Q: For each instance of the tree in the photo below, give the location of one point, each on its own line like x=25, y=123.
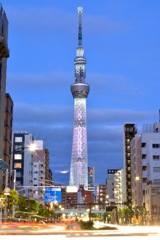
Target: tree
x=126, y=214
x=140, y=214
x=28, y=205
x=106, y=217
x=43, y=211
x=9, y=200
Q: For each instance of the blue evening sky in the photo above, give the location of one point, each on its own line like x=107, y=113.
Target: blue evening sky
x=121, y=40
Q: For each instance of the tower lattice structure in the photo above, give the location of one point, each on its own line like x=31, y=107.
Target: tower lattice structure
x=80, y=90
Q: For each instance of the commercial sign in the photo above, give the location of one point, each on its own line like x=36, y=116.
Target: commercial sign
x=71, y=189
x=52, y=195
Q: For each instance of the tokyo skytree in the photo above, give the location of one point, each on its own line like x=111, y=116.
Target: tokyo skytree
x=80, y=90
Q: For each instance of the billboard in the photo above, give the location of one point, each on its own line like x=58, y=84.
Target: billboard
x=52, y=195
x=71, y=189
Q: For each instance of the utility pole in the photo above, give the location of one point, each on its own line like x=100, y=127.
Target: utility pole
x=5, y=197
x=0, y=209
x=14, y=188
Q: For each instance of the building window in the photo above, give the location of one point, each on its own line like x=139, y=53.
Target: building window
x=18, y=174
x=156, y=181
x=144, y=156
x=155, y=145
x=143, y=145
x=18, y=139
x=144, y=168
x=17, y=147
x=18, y=156
x=18, y=165
x=18, y=183
x=156, y=157
x=155, y=190
x=156, y=169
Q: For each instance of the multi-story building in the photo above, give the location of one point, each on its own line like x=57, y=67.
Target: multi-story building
x=145, y=161
x=71, y=197
x=136, y=171
x=22, y=159
x=110, y=182
x=80, y=90
x=129, y=132
x=91, y=179
x=76, y=198
x=152, y=203
x=30, y=166
x=39, y=175
x=4, y=54
x=48, y=172
x=102, y=198
x=8, y=120
x=85, y=197
x=119, y=193
x=7, y=145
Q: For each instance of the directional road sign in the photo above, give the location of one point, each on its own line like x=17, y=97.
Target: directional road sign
x=52, y=194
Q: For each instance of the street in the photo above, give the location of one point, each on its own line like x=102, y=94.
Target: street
x=123, y=232
x=84, y=237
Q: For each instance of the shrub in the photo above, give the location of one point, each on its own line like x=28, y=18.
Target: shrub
x=86, y=225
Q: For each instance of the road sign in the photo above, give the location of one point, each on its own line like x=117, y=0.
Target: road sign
x=7, y=191
x=52, y=195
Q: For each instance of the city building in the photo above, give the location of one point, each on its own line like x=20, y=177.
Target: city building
x=4, y=54
x=129, y=132
x=71, y=197
x=91, y=179
x=110, y=182
x=7, y=144
x=22, y=162
x=102, y=197
x=80, y=90
x=39, y=164
x=85, y=196
x=119, y=193
x=136, y=171
x=152, y=203
x=31, y=166
x=48, y=172
x=76, y=198
x=8, y=122
x=145, y=157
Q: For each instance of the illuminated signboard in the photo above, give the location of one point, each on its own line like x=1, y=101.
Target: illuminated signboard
x=52, y=195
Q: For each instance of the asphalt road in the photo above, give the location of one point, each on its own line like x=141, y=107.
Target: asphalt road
x=83, y=237
x=72, y=232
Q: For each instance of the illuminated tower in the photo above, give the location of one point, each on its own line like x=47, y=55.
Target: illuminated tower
x=80, y=90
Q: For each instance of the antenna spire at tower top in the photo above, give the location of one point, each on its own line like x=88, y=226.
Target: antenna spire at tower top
x=80, y=10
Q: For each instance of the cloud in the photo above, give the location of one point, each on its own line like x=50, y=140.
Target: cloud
x=39, y=20
x=100, y=24
x=50, y=83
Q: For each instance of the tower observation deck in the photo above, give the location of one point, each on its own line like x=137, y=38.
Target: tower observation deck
x=80, y=90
